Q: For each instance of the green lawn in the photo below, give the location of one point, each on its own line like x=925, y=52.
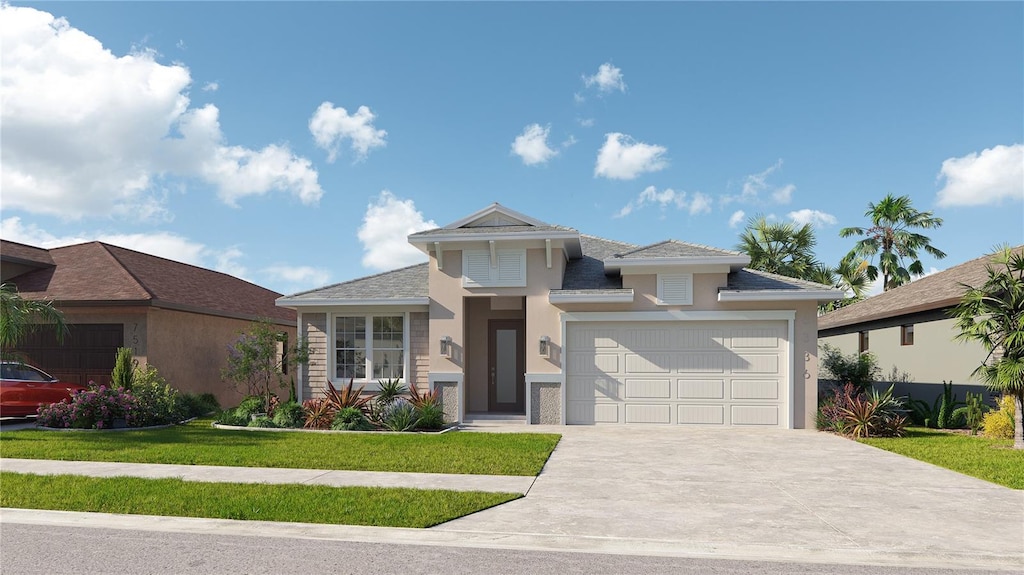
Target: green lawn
x=989, y=459
x=386, y=507
x=198, y=443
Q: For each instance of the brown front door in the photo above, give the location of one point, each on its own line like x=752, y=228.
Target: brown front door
x=506, y=366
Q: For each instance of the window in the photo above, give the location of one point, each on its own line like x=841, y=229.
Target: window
x=907, y=334
x=510, y=270
x=862, y=342
x=369, y=347
x=675, y=289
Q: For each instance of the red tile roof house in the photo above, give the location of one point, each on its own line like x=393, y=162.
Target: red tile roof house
x=909, y=327
x=517, y=319
x=177, y=317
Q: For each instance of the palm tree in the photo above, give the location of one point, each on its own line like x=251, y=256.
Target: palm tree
x=891, y=238
x=993, y=315
x=20, y=316
x=779, y=247
x=850, y=276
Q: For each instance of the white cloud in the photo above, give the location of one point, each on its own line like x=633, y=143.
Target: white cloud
x=994, y=175
x=622, y=158
x=570, y=141
x=696, y=203
x=331, y=126
x=386, y=226
x=585, y=122
x=163, y=244
x=756, y=184
x=737, y=218
x=578, y=98
x=297, y=278
x=608, y=78
x=88, y=133
x=211, y=87
x=532, y=145
x=816, y=218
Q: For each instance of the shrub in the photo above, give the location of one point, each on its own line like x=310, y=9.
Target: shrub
x=289, y=414
x=233, y=417
x=158, y=402
x=390, y=390
x=199, y=405
x=401, y=416
x=319, y=414
x=250, y=405
x=858, y=369
x=431, y=416
x=418, y=399
x=123, y=375
x=345, y=397
x=262, y=421
x=351, y=419
x=853, y=412
x=998, y=424
x=255, y=364
x=94, y=408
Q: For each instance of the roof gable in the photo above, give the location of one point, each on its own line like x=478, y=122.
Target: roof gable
x=495, y=215
x=675, y=249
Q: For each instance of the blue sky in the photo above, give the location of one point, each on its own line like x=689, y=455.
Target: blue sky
x=296, y=145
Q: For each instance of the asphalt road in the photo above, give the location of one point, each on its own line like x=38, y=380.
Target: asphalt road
x=32, y=549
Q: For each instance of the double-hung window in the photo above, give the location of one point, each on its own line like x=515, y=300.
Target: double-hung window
x=369, y=346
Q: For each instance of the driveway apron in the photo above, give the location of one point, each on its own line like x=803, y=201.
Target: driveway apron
x=781, y=491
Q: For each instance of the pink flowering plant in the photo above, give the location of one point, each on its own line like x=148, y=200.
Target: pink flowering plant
x=95, y=408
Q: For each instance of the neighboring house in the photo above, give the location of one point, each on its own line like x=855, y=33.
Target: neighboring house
x=174, y=316
x=532, y=321
x=909, y=327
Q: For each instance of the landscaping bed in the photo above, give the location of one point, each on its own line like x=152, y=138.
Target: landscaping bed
x=198, y=443
x=993, y=460
x=385, y=507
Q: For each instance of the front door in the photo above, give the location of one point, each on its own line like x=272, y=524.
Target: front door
x=506, y=366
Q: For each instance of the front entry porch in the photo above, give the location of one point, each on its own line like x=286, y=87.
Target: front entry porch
x=495, y=355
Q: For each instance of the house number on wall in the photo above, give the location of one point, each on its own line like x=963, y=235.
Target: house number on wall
x=135, y=338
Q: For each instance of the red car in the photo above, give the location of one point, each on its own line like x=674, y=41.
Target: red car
x=23, y=388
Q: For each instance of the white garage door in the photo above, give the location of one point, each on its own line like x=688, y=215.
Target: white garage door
x=700, y=373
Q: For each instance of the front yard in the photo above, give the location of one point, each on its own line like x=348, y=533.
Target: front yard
x=197, y=443
x=990, y=459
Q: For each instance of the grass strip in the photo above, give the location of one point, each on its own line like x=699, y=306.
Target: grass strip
x=197, y=443
x=385, y=507
x=993, y=460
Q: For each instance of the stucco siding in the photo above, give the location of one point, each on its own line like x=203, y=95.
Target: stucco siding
x=933, y=358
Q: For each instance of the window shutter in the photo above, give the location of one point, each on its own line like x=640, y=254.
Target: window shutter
x=510, y=267
x=675, y=289
x=476, y=268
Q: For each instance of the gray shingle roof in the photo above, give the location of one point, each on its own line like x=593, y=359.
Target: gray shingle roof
x=588, y=271
x=757, y=280
x=489, y=230
x=409, y=282
x=675, y=249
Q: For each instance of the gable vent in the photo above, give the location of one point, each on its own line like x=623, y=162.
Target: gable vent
x=675, y=289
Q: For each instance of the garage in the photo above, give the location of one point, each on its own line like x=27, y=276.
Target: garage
x=712, y=373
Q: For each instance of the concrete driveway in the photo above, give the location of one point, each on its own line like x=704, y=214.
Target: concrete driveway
x=771, y=494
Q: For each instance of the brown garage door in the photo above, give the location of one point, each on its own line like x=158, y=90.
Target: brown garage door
x=86, y=354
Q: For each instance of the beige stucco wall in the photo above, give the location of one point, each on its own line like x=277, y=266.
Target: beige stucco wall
x=933, y=358
x=191, y=349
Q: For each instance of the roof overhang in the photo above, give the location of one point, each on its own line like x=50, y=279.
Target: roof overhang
x=591, y=296
x=569, y=241
x=295, y=303
x=734, y=263
x=780, y=295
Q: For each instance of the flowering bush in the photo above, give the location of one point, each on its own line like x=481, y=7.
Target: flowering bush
x=94, y=408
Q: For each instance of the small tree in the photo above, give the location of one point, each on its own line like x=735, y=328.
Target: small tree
x=993, y=315
x=123, y=375
x=258, y=358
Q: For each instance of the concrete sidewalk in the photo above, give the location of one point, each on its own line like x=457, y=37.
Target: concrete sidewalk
x=223, y=474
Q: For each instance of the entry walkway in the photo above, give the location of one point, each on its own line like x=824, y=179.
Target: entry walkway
x=224, y=474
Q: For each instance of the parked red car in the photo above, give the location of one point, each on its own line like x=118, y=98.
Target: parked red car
x=23, y=388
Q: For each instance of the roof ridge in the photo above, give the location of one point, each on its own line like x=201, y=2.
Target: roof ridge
x=135, y=278
x=599, y=238
x=705, y=246
x=360, y=278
